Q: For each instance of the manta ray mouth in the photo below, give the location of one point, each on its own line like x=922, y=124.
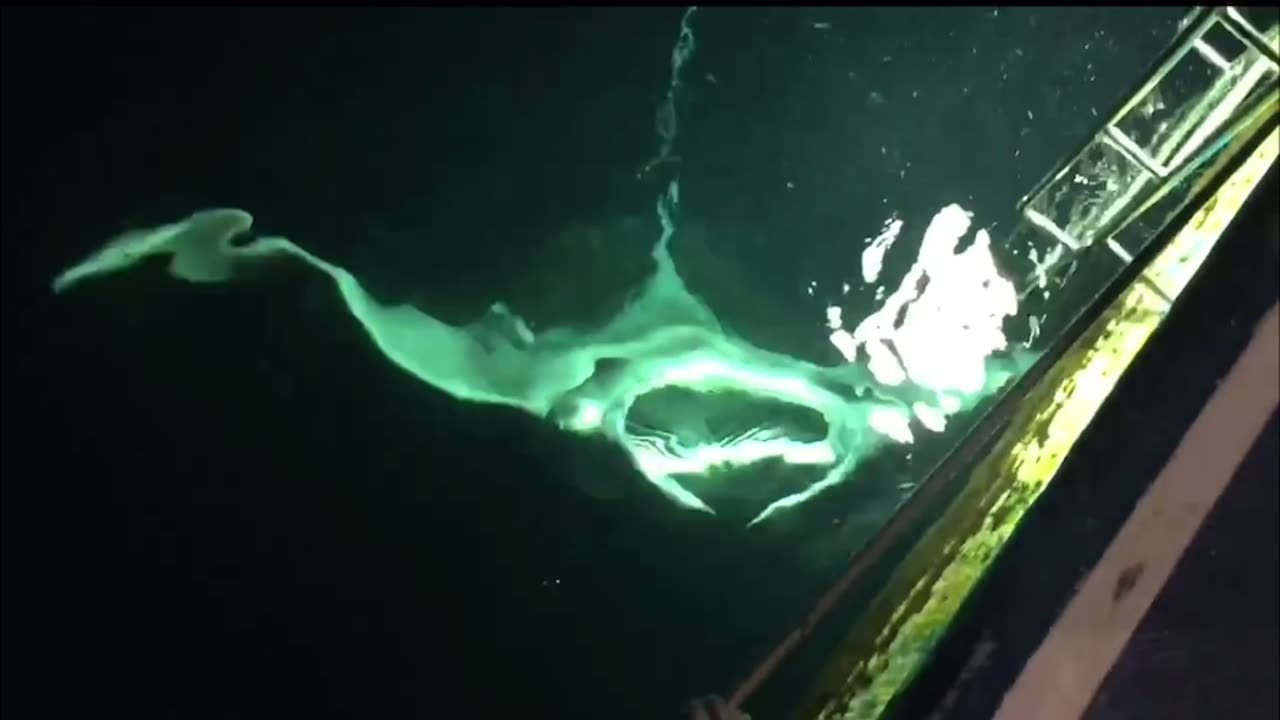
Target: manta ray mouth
x=730, y=452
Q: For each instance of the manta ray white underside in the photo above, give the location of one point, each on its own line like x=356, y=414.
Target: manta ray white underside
x=587, y=381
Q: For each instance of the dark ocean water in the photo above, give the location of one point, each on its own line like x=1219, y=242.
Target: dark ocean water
x=223, y=502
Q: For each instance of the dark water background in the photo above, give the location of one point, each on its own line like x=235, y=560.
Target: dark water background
x=222, y=502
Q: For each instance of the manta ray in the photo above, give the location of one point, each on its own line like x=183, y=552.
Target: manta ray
x=584, y=381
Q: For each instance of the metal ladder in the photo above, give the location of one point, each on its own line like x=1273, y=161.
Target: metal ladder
x=1157, y=172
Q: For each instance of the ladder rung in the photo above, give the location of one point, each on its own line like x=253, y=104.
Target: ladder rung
x=1035, y=217
x=1126, y=146
x=1240, y=26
